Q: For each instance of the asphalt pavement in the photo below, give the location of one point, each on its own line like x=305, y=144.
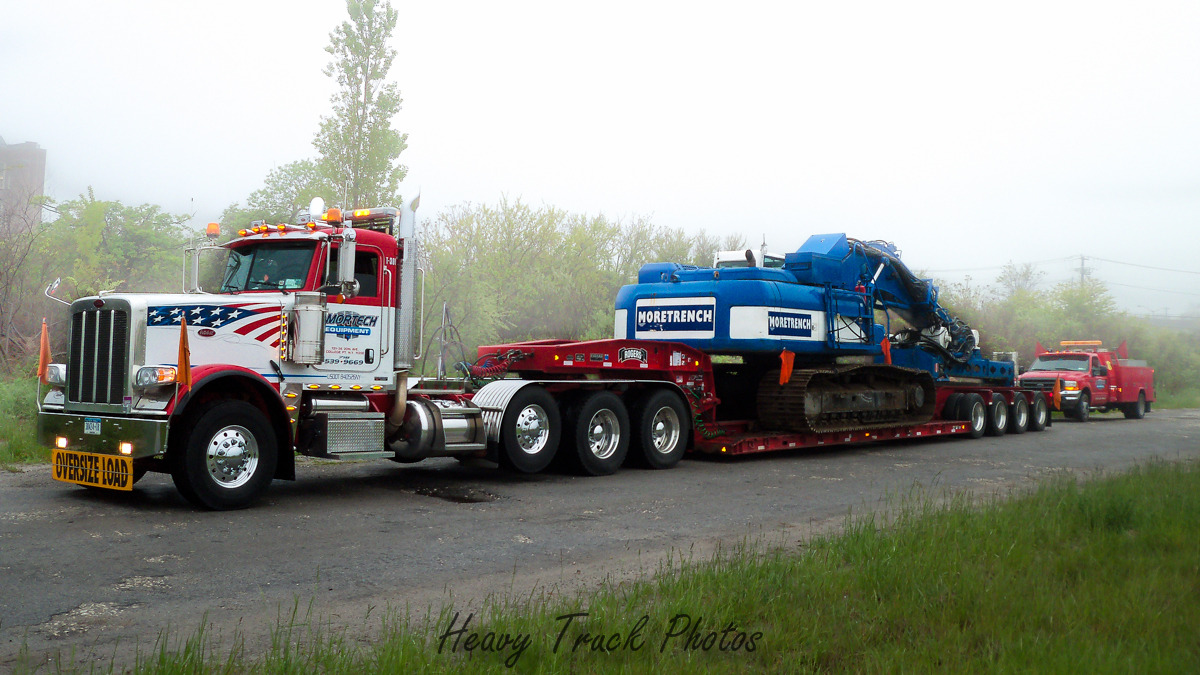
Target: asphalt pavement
x=101, y=573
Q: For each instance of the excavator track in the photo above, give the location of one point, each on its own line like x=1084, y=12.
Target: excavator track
x=845, y=398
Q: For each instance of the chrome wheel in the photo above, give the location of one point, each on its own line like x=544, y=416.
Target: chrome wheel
x=604, y=434
x=664, y=430
x=533, y=429
x=232, y=457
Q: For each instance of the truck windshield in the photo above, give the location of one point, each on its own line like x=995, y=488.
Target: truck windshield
x=1061, y=362
x=268, y=266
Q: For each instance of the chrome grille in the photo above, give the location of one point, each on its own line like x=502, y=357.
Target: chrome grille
x=99, y=356
x=1039, y=384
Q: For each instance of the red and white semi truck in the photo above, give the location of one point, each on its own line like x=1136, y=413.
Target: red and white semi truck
x=307, y=348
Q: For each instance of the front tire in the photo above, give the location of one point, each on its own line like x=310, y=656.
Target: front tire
x=661, y=426
x=597, y=425
x=228, y=458
x=530, y=430
x=1083, y=411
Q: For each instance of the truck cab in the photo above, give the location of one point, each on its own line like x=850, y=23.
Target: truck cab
x=1082, y=378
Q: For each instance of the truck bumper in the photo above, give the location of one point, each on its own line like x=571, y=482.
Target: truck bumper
x=101, y=435
x=1070, y=400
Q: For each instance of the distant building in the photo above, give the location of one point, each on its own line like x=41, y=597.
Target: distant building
x=22, y=181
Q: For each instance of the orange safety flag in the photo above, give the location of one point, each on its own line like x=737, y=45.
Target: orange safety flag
x=1057, y=394
x=44, y=353
x=183, y=373
x=886, y=345
x=785, y=370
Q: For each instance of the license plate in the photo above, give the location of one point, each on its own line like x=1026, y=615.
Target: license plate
x=91, y=425
x=104, y=471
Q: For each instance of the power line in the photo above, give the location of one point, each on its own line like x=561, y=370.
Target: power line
x=1160, y=290
x=1146, y=267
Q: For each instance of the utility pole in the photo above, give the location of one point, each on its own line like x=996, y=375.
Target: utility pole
x=1082, y=269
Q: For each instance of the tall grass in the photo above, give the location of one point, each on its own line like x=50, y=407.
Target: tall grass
x=18, y=422
x=1101, y=577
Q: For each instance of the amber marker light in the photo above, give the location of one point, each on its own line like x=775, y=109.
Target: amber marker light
x=356, y=387
x=126, y=448
x=291, y=408
x=376, y=387
x=242, y=233
x=213, y=230
x=290, y=394
x=313, y=386
x=281, y=227
x=335, y=386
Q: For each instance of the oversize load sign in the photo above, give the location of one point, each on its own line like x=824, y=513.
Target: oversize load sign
x=674, y=318
x=106, y=471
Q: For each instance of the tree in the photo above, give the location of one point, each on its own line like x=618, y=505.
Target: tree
x=357, y=143
x=20, y=228
x=288, y=189
x=97, y=245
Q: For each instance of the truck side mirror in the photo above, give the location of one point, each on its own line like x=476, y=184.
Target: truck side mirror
x=346, y=280
x=1101, y=371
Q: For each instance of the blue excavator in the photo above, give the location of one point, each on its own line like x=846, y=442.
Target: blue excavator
x=842, y=337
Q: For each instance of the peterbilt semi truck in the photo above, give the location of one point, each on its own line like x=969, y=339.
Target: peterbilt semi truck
x=306, y=348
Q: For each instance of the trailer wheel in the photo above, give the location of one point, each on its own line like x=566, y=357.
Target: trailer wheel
x=598, y=428
x=1084, y=410
x=228, y=458
x=950, y=407
x=1039, y=416
x=660, y=430
x=997, y=417
x=975, y=414
x=1136, y=411
x=1018, y=415
x=529, y=430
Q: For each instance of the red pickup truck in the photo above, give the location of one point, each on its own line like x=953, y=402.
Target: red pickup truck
x=1085, y=377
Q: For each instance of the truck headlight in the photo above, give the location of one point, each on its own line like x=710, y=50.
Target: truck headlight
x=152, y=376
x=1070, y=384
x=56, y=374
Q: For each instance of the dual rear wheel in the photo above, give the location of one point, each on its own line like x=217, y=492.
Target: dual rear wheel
x=593, y=432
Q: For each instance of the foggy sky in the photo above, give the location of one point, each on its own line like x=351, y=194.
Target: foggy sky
x=970, y=136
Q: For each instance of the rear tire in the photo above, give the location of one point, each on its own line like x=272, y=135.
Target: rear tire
x=976, y=414
x=529, y=431
x=661, y=426
x=950, y=407
x=597, y=439
x=997, y=417
x=1018, y=415
x=228, y=458
x=1039, y=415
x=1137, y=411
